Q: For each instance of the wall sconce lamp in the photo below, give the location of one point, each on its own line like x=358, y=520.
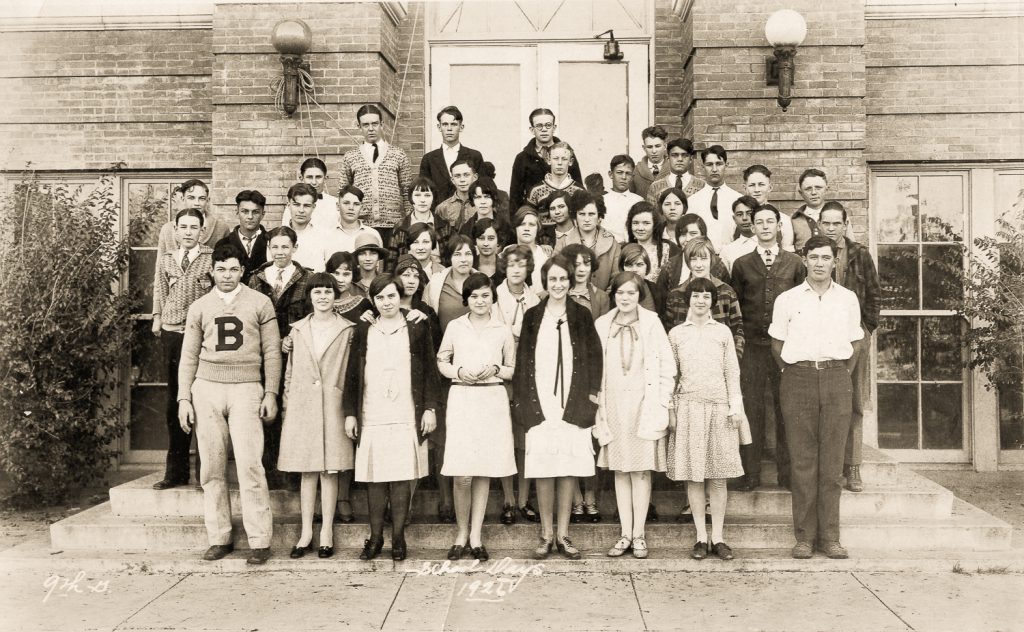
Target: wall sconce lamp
x=785, y=30
x=293, y=39
x=612, y=52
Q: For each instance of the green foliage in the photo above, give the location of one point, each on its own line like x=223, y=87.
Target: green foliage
x=65, y=333
x=993, y=286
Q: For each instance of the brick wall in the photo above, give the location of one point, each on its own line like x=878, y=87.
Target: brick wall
x=356, y=58
x=945, y=89
x=87, y=99
x=669, y=80
x=730, y=104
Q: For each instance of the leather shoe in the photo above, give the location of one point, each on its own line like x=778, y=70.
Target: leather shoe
x=299, y=551
x=455, y=552
x=398, y=549
x=700, y=550
x=480, y=553
x=258, y=556
x=853, y=482
x=722, y=550
x=834, y=551
x=168, y=484
x=325, y=551
x=543, y=550
x=566, y=548
x=218, y=551
x=371, y=549
x=803, y=551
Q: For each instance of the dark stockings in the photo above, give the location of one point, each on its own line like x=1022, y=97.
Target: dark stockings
x=377, y=500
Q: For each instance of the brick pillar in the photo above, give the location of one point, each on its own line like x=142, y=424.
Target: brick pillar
x=729, y=103
x=358, y=56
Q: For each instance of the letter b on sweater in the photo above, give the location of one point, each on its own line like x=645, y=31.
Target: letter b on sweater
x=229, y=333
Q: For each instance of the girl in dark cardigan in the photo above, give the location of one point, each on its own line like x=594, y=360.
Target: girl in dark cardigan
x=558, y=346
x=392, y=389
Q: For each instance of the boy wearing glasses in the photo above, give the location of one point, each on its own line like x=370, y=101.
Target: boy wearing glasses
x=531, y=164
x=380, y=170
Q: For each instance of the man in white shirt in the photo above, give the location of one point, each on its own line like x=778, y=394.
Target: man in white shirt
x=619, y=199
x=313, y=172
x=743, y=217
x=343, y=237
x=714, y=202
x=652, y=166
x=813, y=327
x=309, y=251
x=757, y=183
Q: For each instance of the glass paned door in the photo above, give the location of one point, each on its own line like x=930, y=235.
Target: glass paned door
x=920, y=227
x=1009, y=202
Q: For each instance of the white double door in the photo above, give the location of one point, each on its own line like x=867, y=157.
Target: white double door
x=601, y=107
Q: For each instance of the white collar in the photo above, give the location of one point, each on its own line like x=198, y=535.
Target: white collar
x=227, y=297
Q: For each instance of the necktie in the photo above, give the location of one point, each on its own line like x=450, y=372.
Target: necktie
x=560, y=369
x=279, y=285
x=626, y=342
x=714, y=203
x=376, y=152
x=679, y=182
x=769, y=259
x=248, y=244
x=655, y=170
x=319, y=196
x=184, y=262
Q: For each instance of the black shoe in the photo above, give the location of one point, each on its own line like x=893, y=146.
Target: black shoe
x=398, y=548
x=371, y=549
x=480, y=553
x=325, y=552
x=508, y=515
x=722, y=550
x=258, y=556
x=299, y=551
x=590, y=513
x=529, y=512
x=218, y=551
x=169, y=483
x=455, y=553
x=700, y=550
x=577, y=515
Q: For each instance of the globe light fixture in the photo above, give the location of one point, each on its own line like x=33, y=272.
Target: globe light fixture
x=785, y=30
x=292, y=39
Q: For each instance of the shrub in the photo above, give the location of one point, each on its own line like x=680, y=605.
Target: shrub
x=65, y=334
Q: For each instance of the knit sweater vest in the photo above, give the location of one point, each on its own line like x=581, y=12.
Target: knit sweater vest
x=230, y=343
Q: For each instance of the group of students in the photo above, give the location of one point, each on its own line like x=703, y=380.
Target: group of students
x=534, y=335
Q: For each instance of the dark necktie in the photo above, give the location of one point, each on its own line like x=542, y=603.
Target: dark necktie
x=184, y=262
x=319, y=196
x=769, y=259
x=714, y=203
x=560, y=369
x=376, y=152
x=679, y=182
x=655, y=170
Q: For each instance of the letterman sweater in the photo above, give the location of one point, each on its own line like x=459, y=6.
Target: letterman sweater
x=230, y=342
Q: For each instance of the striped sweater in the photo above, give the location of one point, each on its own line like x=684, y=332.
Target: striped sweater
x=385, y=184
x=174, y=290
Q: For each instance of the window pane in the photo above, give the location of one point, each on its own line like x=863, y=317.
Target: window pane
x=147, y=356
x=941, y=267
x=941, y=351
x=897, y=349
x=942, y=208
x=148, y=206
x=898, y=273
x=1009, y=195
x=141, y=265
x=149, y=418
x=897, y=416
x=1011, y=419
x=942, y=416
x=897, y=202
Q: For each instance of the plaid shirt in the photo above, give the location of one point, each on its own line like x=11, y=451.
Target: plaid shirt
x=726, y=311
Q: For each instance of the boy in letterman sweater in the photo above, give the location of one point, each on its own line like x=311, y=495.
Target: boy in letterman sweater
x=228, y=380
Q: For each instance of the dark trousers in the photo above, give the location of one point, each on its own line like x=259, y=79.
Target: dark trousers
x=178, y=441
x=758, y=373
x=817, y=405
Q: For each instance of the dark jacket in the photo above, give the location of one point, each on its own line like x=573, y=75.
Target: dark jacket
x=668, y=276
x=433, y=166
x=256, y=257
x=757, y=288
x=862, y=280
x=803, y=228
x=587, y=358
x=426, y=382
x=291, y=306
x=528, y=171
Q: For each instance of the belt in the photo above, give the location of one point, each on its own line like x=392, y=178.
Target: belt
x=479, y=384
x=821, y=364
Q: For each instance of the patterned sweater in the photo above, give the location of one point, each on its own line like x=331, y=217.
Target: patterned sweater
x=726, y=310
x=384, y=183
x=174, y=290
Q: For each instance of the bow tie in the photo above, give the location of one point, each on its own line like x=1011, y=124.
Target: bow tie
x=319, y=196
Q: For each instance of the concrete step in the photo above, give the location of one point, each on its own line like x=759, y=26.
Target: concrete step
x=915, y=496
x=967, y=528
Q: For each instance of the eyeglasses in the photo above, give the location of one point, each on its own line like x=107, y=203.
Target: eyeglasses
x=544, y=126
